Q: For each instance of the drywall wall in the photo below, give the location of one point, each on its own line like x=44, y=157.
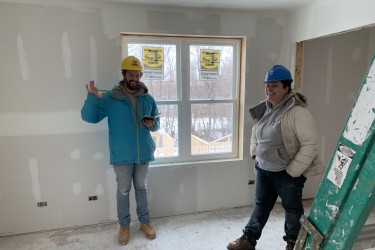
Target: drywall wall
x=326, y=18
x=49, y=51
x=332, y=72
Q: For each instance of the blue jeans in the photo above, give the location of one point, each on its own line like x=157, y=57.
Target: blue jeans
x=269, y=185
x=124, y=176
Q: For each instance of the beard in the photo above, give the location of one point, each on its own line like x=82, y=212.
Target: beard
x=131, y=85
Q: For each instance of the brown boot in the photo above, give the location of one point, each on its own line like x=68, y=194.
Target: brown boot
x=290, y=244
x=123, y=235
x=241, y=244
x=148, y=230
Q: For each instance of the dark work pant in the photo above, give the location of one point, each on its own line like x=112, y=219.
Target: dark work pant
x=269, y=185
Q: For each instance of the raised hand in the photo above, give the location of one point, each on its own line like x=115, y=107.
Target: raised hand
x=93, y=90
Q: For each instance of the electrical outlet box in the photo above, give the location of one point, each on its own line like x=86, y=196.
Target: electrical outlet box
x=42, y=204
x=93, y=198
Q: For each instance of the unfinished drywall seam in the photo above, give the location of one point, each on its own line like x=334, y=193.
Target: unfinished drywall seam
x=35, y=185
x=75, y=154
x=98, y=156
x=93, y=59
x=25, y=71
x=99, y=189
x=298, y=66
x=77, y=188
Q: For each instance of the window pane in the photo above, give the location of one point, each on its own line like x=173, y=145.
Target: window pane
x=166, y=138
x=161, y=81
x=211, y=72
x=211, y=128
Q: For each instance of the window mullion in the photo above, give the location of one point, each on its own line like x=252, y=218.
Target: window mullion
x=184, y=109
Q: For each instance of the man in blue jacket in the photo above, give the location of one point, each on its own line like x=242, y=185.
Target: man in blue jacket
x=130, y=143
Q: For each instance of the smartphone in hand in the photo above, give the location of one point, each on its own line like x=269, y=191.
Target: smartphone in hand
x=150, y=118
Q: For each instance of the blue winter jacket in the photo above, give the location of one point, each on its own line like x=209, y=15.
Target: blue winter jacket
x=129, y=140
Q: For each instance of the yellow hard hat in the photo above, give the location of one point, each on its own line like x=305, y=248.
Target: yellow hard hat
x=131, y=63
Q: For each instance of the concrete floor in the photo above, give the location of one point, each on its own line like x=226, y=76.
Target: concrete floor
x=211, y=230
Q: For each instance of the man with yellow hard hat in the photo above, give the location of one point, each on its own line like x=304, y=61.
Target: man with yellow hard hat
x=130, y=142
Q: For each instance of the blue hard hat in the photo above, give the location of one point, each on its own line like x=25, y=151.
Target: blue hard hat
x=278, y=73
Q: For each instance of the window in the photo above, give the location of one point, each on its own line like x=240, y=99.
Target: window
x=195, y=81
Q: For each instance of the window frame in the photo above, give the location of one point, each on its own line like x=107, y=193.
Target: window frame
x=183, y=101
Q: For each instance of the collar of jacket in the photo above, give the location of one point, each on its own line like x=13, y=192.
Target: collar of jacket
x=258, y=111
x=119, y=91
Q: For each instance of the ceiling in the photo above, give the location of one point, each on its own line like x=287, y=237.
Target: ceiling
x=246, y=5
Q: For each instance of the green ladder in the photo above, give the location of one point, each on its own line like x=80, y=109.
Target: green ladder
x=346, y=194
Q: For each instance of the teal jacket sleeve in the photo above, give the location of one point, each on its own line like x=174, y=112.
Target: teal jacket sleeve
x=95, y=109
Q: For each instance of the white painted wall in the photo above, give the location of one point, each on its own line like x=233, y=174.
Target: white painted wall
x=48, y=53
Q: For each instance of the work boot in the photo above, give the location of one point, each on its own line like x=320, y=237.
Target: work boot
x=241, y=244
x=148, y=230
x=123, y=235
x=290, y=244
